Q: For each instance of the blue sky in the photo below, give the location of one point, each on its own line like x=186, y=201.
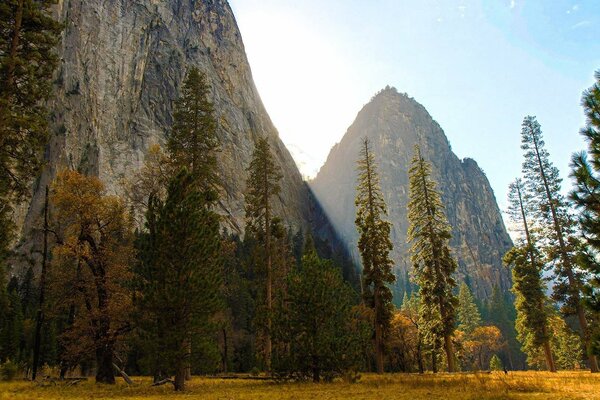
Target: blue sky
x=477, y=66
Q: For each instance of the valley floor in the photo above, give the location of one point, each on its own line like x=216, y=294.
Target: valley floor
x=497, y=385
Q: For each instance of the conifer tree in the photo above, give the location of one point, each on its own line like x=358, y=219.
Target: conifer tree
x=180, y=263
x=263, y=185
x=374, y=246
x=180, y=273
x=528, y=284
x=28, y=35
x=468, y=316
x=551, y=214
x=429, y=232
x=192, y=142
x=312, y=324
x=586, y=196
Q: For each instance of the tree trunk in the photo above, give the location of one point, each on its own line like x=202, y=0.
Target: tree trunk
x=449, y=353
x=268, y=344
x=378, y=333
x=40, y=312
x=104, y=364
x=225, y=352
x=188, y=359
x=549, y=358
x=316, y=372
x=420, y=356
x=434, y=362
x=180, y=377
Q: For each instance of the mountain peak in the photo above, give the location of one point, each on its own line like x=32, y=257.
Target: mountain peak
x=394, y=122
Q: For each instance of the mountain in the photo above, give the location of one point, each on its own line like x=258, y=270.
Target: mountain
x=122, y=64
x=394, y=123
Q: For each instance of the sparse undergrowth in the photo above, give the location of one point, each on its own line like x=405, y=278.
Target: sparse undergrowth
x=497, y=385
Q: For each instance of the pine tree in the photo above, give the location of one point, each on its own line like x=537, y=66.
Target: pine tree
x=586, y=196
x=263, y=185
x=468, y=316
x=434, y=266
x=28, y=36
x=312, y=324
x=496, y=363
x=528, y=284
x=531, y=302
x=180, y=273
x=192, y=142
x=550, y=211
x=374, y=246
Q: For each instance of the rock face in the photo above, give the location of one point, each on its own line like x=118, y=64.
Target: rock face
x=122, y=66
x=394, y=123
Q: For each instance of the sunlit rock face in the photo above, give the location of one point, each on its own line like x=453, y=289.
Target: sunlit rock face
x=122, y=64
x=394, y=123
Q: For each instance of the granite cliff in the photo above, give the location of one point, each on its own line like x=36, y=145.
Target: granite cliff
x=122, y=63
x=394, y=123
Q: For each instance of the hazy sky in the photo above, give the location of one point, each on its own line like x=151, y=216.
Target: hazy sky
x=478, y=66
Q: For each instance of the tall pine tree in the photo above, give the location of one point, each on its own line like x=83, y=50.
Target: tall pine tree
x=263, y=185
x=429, y=232
x=180, y=264
x=586, y=196
x=374, y=245
x=528, y=284
x=551, y=214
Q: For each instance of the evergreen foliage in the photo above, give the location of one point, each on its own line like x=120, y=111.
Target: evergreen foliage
x=433, y=265
x=550, y=212
x=263, y=185
x=192, y=142
x=179, y=283
x=586, y=196
x=374, y=246
x=528, y=285
x=496, y=363
x=28, y=35
x=313, y=332
x=467, y=316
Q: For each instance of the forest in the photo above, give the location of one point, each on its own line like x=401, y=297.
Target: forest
x=154, y=284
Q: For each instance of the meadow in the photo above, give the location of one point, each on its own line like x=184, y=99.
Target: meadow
x=497, y=385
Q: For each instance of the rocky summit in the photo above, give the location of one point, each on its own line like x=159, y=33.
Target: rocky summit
x=394, y=123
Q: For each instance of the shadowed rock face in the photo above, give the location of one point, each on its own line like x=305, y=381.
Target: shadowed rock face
x=122, y=66
x=394, y=123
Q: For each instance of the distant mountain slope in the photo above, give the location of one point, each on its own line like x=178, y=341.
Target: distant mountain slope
x=395, y=123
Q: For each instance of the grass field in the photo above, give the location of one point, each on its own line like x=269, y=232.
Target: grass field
x=517, y=385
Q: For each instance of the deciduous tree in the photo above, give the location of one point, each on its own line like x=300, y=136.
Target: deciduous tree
x=92, y=264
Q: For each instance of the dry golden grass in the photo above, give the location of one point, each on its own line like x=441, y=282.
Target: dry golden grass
x=517, y=385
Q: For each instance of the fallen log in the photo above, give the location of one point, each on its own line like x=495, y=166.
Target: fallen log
x=163, y=382
x=123, y=374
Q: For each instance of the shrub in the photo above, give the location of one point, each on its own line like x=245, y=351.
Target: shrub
x=8, y=370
